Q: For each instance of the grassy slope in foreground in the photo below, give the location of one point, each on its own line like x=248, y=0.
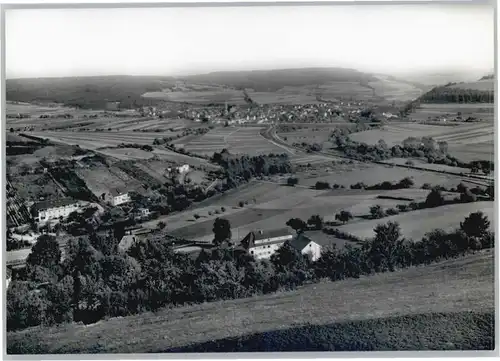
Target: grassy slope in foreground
x=453, y=286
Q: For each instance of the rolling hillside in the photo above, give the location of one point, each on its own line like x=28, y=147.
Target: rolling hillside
x=447, y=305
x=273, y=80
x=286, y=86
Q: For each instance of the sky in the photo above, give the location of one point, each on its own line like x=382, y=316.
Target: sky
x=181, y=41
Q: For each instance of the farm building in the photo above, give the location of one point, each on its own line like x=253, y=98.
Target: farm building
x=47, y=210
x=262, y=244
x=306, y=246
x=119, y=197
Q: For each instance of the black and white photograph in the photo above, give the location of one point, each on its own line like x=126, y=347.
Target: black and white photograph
x=249, y=178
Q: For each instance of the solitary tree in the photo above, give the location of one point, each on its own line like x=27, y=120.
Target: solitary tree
x=475, y=225
x=221, y=230
x=435, y=198
x=376, y=211
x=297, y=224
x=386, y=246
x=343, y=216
x=316, y=221
x=161, y=225
x=406, y=182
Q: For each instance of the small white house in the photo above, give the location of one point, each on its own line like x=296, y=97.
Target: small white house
x=48, y=210
x=183, y=169
x=306, y=246
x=119, y=197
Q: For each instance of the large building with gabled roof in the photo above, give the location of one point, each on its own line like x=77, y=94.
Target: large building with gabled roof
x=262, y=244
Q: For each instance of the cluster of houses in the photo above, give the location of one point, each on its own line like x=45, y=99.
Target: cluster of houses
x=270, y=113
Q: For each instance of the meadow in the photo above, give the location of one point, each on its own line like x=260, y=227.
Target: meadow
x=394, y=90
x=220, y=95
x=244, y=140
x=449, y=288
x=371, y=174
x=415, y=224
x=268, y=205
x=309, y=135
x=483, y=85
x=101, y=179
x=466, y=142
x=449, y=111
x=95, y=140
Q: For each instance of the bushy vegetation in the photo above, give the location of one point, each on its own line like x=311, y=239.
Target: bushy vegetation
x=185, y=133
x=411, y=147
x=242, y=169
x=404, y=183
x=95, y=280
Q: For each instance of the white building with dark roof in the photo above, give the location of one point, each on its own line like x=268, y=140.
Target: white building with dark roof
x=306, y=246
x=119, y=197
x=263, y=244
x=53, y=209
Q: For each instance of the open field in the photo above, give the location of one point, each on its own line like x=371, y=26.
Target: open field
x=421, y=163
x=394, y=89
x=347, y=175
x=415, y=224
x=271, y=205
x=396, y=133
x=220, y=95
x=483, y=85
x=309, y=135
x=101, y=179
x=449, y=111
x=465, y=141
x=245, y=140
x=95, y=140
x=127, y=153
x=452, y=286
x=343, y=89
x=288, y=94
x=168, y=155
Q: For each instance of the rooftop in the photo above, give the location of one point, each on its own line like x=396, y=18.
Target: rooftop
x=117, y=191
x=300, y=241
x=274, y=233
x=54, y=203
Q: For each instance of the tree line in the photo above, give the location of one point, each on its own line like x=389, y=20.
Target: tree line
x=412, y=147
x=243, y=168
x=95, y=280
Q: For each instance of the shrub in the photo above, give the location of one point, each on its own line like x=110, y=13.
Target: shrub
x=343, y=216
x=392, y=212
x=434, y=198
x=467, y=197
x=322, y=185
x=376, y=212
x=292, y=181
x=196, y=216
x=402, y=207
x=223, y=209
